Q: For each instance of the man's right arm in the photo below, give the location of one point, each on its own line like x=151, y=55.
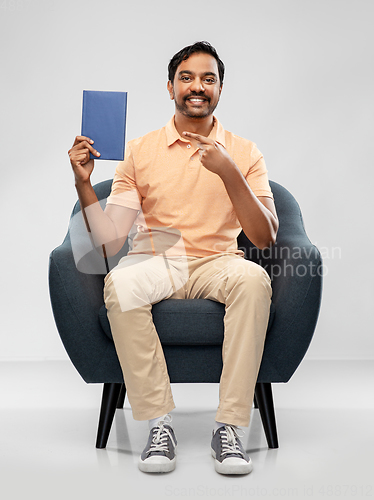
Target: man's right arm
x=109, y=228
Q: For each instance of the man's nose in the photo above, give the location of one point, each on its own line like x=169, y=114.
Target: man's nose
x=197, y=85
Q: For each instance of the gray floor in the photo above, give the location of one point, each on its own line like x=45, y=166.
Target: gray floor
x=48, y=420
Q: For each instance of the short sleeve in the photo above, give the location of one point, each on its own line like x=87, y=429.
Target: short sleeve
x=124, y=189
x=257, y=175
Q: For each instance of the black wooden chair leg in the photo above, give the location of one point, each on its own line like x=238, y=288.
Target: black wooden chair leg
x=108, y=409
x=264, y=398
x=121, y=397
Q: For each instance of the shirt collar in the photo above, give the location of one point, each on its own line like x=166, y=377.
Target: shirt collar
x=217, y=133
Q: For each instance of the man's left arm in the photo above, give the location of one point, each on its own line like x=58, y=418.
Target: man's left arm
x=257, y=215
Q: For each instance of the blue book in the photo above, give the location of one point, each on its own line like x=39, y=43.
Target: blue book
x=104, y=121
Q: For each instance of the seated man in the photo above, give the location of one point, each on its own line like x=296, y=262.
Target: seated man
x=190, y=188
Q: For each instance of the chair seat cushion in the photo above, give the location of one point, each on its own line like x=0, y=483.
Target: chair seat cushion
x=185, y=321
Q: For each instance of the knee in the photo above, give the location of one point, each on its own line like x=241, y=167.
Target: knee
x=110, y=294
x=120, y=288
x=252, y=278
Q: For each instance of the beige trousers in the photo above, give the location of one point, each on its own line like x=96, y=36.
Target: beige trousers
x=141, y=280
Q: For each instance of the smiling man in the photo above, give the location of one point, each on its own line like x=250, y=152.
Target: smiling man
x=196, y=89
x=190, y=188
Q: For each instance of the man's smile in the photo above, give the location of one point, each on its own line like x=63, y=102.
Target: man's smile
x=196, y=100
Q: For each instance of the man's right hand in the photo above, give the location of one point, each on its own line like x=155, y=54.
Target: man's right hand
x=80, y=160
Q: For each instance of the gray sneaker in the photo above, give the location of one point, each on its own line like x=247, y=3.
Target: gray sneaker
x=159, y=455
x=228, y=451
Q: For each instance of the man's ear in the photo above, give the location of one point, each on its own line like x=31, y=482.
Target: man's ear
x=170, y=90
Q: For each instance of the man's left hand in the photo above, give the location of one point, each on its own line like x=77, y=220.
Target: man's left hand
x=213, y=156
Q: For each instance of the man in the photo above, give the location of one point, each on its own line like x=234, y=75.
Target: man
x=190, y=188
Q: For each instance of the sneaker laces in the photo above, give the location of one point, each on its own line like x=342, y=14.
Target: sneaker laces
x=230, y=436
x=160, y=438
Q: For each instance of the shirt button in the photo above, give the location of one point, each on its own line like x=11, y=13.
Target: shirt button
x=188, y=145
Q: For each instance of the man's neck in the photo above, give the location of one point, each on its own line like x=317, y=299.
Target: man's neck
x=201, y=126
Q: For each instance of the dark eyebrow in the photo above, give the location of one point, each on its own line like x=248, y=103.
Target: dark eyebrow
x=207, y=73
x=210, y=73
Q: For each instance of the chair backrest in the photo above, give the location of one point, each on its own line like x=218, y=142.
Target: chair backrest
x=291, y=227
x=102, y=190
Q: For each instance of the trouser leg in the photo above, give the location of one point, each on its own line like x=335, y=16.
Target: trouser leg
x=245, y=289
x=130, y=290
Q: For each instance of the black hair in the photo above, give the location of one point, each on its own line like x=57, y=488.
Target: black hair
x=185, y=53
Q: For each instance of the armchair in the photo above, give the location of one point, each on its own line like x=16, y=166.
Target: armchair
x=191, y=331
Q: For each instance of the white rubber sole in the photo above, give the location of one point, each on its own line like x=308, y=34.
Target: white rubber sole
x=157, y=464
x=232, y=465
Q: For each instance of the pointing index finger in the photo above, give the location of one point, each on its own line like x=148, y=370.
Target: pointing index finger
x=200, y=138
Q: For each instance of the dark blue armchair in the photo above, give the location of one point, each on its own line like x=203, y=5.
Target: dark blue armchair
x=191, y=331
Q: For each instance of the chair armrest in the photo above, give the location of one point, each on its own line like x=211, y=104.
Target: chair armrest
x=296, y=273
x=295, y=267
x=76, y=299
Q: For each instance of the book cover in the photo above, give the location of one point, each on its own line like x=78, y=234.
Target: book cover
x=104, y=121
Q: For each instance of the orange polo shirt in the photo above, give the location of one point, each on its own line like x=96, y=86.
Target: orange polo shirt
x=184, y=208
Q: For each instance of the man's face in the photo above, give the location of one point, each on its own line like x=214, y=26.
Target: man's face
x=196, y=88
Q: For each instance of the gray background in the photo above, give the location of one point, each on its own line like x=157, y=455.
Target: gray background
x=299, y=83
